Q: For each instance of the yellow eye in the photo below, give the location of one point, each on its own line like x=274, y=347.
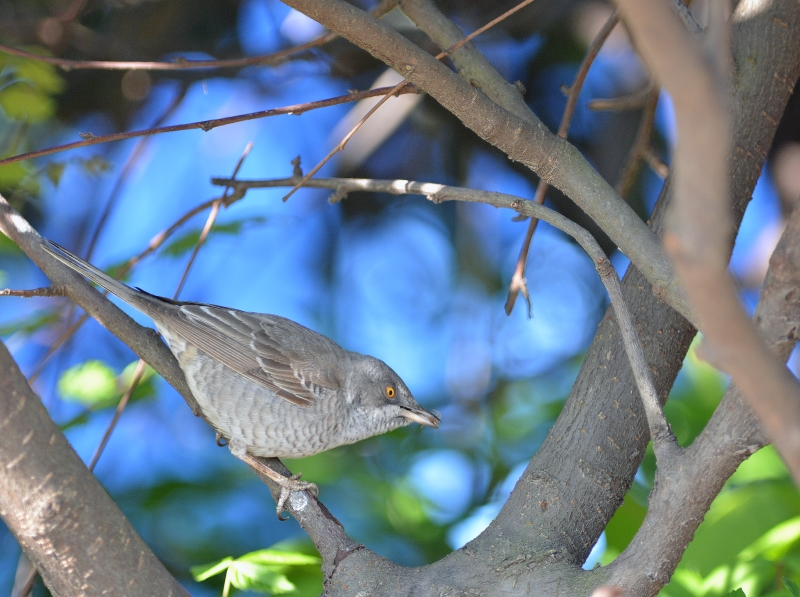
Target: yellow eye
x=389, y=392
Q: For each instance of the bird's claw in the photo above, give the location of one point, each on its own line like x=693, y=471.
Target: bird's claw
x=290, y=484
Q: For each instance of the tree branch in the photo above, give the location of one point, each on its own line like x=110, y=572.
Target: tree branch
x=553, y=159
x=732, y=435
x=700, y=229
x=68, y=526
x=659, y=429
x=206, y=125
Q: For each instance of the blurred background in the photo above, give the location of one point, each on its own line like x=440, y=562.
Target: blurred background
x=418, y=285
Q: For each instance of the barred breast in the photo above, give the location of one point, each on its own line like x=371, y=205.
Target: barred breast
x=239, y=408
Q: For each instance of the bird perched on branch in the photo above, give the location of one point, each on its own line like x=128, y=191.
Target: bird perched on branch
x=268, y=385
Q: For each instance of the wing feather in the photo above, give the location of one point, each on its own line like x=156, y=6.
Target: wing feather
x=263, y=348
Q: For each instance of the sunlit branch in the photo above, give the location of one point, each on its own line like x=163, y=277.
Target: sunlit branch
x=663, y=439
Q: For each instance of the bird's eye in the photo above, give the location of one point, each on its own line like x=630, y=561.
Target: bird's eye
x=389, y=392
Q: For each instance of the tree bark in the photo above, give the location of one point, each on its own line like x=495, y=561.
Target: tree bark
x=69, y=527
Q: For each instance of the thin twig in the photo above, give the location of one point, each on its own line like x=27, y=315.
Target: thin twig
x=127, y=168
x=392, y=93
x=212, y=217
x=72, y=328
x=54, y=346
x=206, y=125
x=518, y=282
x=137, y=377
x=633, y=101
x=178, y=63
x=181, y=63
x=640, y=145
x=46, y=291
x=655, y=162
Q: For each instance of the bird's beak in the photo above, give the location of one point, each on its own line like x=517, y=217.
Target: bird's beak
x=421, y=416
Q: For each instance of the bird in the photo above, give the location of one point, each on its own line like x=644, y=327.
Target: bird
x=268, y=385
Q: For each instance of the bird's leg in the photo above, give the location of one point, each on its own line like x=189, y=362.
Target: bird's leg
x=287, y=484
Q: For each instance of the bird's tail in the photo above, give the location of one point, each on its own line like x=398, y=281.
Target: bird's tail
x=136, y=298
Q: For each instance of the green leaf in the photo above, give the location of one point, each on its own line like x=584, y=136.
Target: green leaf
x=40, y=75
x=95, y=165
x=30, y=324
x=54, y=171
x=145, y=389
x=21, y=101
x=205, y=571
x=736, y=593
x=764, y=464
x=257, y=577
x=12, y=174
x=739, y=517
x=775, y=543
x=792, y=587
x=279, y=558
x=89, y=383
x=186, y=242
x=260, y=570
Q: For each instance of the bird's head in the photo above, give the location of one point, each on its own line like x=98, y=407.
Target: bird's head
x=380, y=401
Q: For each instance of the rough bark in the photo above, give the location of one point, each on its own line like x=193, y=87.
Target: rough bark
x=69, y=527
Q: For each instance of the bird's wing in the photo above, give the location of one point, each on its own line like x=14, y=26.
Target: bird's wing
x=260, y=347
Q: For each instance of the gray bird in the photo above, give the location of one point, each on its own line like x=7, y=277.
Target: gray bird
x=268, y=385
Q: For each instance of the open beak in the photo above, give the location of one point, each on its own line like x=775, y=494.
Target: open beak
x=421, y=416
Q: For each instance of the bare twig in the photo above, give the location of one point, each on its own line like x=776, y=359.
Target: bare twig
x=181, y=63
x=392, y=93
x=206, y=125
x=470, y=63
x=656, y=163
x=178, y=63
x=518, y=283
x=640, y=145
x=126, y=169
x=633, y=101
x=212, y=217
x=46, y=291
x=137, y=377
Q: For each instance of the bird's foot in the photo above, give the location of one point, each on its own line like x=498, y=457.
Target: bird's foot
x=288, y=485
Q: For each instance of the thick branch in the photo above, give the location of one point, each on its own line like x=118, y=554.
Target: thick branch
x=74, y=534
x=588, y=460
x=472, y=65
x=700, y=228
x=732, y=435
